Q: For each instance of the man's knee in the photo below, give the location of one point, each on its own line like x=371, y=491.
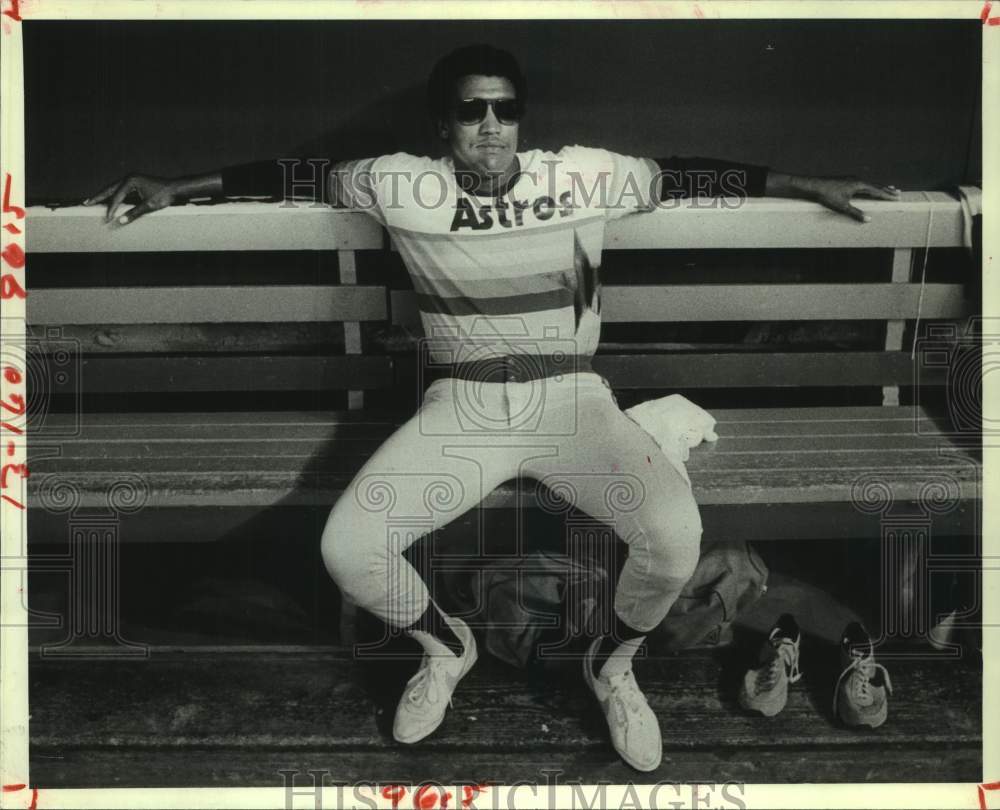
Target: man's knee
x=345, y=558
x=677, y=544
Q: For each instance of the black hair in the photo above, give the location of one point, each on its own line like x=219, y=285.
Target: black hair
x=472, y=60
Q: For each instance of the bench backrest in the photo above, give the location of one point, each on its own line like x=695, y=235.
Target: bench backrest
x=276, y=297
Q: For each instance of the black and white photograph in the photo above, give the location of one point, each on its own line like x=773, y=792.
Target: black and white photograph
x=446, y=412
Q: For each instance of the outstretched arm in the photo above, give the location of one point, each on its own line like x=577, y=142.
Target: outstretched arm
x=153, y=193
x=699, y=176
x=281, y=179
x=835, y=193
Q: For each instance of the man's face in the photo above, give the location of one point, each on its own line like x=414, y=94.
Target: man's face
x=487, y=147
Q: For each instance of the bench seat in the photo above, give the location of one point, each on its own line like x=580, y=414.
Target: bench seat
x=817, y=461
x=236, y=719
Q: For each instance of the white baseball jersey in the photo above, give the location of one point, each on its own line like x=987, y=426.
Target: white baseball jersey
x=511, y=274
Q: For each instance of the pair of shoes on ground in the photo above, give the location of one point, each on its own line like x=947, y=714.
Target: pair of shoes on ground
x=635, y=731
x=860, y=697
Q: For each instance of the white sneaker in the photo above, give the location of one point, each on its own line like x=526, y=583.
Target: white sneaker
x=428, y=693
x=765, y=689
x=635, y=731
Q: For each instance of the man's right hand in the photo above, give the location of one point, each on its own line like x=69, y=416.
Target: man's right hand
x=154, y=193
x=151, y=194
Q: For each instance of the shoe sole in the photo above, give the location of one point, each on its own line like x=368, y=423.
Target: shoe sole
x=644, y=768
x=768, y=708
x=871, y=722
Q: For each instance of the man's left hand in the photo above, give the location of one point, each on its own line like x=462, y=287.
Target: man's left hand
x=835, y=193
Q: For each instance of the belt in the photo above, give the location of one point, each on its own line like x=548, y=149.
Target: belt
x=513, y=368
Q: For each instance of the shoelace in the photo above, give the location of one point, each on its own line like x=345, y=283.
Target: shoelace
x=426, y=684
x=625, y=695
x=786, y=659
x=865, y=668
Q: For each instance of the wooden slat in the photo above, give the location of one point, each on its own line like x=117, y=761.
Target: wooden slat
x=779, y=302
x=95, y=305
x=226, y=703
x=263, y=481
x=126, y=375
x=308, y=337
x=352, y=329
x=271, y=447
x=265, y=461
x=828, y=369
x=847, y=425
x=902, y=259
x=782, y=223
x=754, y=223
x=757, y=370
x=688, y=303
x=227, y=226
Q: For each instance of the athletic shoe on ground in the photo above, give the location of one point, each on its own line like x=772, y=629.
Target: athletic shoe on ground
x=428, y=693
x=635, y=731
x=861, y=695
x=765, y=689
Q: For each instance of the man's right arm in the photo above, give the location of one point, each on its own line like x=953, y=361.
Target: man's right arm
x=276, y=178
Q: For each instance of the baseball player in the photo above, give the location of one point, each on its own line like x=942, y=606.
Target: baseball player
x=503, y=248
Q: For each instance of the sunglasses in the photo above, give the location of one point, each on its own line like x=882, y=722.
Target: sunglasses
x=473, y=110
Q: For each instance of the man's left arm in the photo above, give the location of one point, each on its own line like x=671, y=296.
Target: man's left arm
x=835, y=193
x=706, y=177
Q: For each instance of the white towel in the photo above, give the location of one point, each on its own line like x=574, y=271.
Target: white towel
x=676, y=425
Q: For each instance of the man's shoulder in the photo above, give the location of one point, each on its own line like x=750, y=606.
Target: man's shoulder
x=406, y=162
x=393, y=163
x=573, y=156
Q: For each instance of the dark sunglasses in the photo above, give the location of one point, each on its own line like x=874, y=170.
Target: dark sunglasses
x=473, y=110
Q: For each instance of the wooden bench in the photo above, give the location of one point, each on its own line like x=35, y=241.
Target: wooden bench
x=244, y=405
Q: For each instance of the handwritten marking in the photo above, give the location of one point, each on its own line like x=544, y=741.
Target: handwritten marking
x=14, y=12
x=10, y=288
x=17, y=408
x=470, y=792
x=13, y=254
x=10, y=448
x=423, y=799
x=12, y=788
x=16, y=210
x=984, y=787
x=18, y=469
x=394, y=793
x=10, y=500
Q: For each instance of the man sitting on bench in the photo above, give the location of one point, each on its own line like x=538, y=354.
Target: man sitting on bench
x=503, y=248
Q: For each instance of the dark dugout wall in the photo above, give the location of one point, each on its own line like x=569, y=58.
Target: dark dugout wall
x=895, y=101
